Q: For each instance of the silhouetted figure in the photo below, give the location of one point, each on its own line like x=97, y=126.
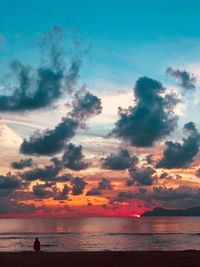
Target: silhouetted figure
x=36, y=245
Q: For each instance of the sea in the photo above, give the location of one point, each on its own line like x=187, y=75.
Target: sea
x=101, y=234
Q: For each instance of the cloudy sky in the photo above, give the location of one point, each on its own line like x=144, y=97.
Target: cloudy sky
x=99, y=107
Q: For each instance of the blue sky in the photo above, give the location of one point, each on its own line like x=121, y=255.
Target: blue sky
x=136, y=21
x=124, y=36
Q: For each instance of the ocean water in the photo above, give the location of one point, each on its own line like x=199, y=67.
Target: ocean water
x=101, y=234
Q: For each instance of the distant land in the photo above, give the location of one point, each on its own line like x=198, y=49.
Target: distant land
x=195, y=211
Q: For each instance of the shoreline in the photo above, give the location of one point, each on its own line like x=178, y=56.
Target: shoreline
x=187, y=258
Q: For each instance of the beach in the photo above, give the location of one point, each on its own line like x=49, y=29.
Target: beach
x=105, y=258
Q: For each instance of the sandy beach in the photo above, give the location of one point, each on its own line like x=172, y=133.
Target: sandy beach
x=97, y=259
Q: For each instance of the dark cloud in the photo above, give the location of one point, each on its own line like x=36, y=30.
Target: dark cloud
x=53, y=141
x=72, y=76
x=39, y=88
x=50, y=190
x=50, y=141
x=104, y=184
x=125, y=196
x=173, y=194
x=61, y=194
x=78, y=186
x=186, y=79
x=66, y=177
x=180, y=155
x=94, y=191
x=198, y=173
x=190, y=126
x=164, y=175
x=142, y=190
x=23, y=163
x=151, y=119
x=47, y=173
x=57, y=162
x=10, y=206
x=120, y=161
x=85, y=105
x=130, y=182
x=142, y=176
x=149, y=159
x=181, y=196
x=73, y=158
x=43, y=190
x=8, y=184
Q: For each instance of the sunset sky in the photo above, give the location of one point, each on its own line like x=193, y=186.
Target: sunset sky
x=99, y=107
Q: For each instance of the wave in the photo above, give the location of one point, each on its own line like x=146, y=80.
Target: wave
x=150, y=234
x=49, y=245
x=31, y=235
x=39, y=233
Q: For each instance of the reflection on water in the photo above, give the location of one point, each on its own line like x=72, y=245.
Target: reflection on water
x=87, y=234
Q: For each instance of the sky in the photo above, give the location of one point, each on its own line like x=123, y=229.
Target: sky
x=99, y=107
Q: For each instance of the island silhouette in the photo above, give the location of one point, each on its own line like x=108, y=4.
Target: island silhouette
x=195, y=211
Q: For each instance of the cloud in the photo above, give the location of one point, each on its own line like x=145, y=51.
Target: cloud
x=47, y=173
x=8, y=184
x=181, y=196
x=10, y=206
x=180, y=155
x=23, y=163
x=151, y=119
x=164, y=175
x=78, y=186
x=49, y=190
x=62, y=194
x=66, y=177
x=94, y=191
x=73, y=158
x=198, y=173
x=173, y=194
x=42, y=190
x=72, y=76
x=149, y=159
x=50, y=141
x=104, y=184
x=85, y=105
x=41, y=87
x=186, y=79
x=141, y=176
x=125, y=196
x=53, y=141
x=120, y=161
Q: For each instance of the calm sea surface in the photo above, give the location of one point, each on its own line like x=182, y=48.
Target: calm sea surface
x=89, y=234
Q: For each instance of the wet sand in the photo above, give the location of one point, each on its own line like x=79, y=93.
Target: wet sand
x=104, y=259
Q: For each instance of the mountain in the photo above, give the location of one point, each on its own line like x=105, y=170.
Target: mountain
x=195, y=211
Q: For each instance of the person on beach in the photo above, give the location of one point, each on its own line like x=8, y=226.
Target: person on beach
x=36, y=245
